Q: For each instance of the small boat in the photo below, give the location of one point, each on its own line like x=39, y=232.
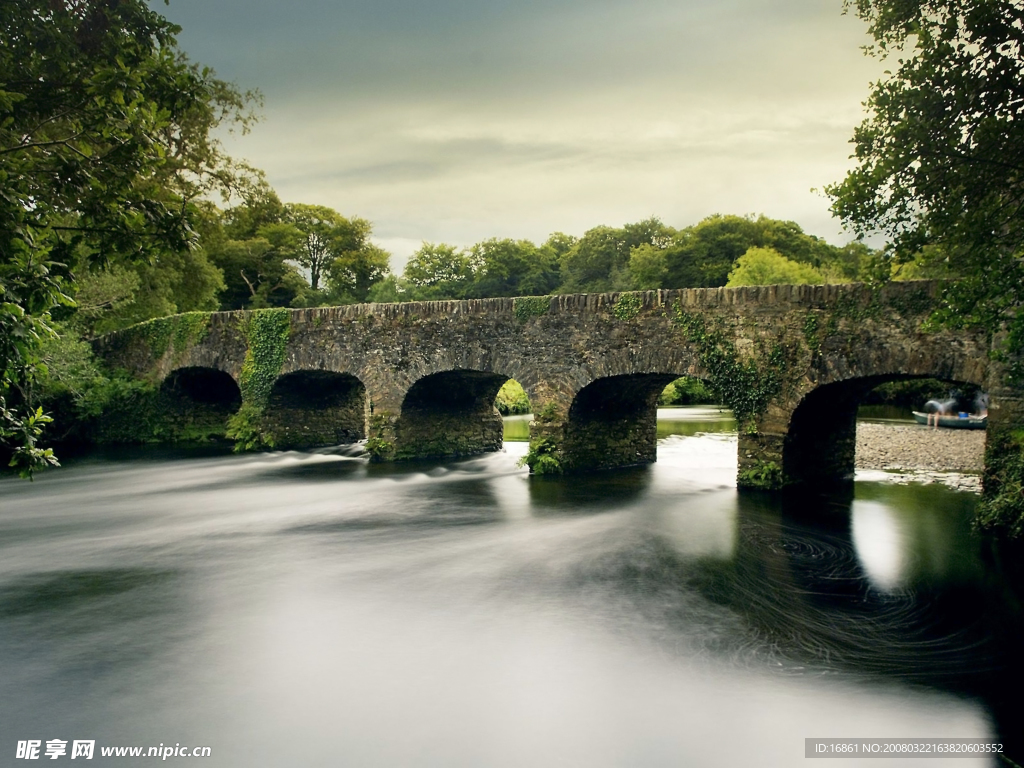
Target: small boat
x=952, y=421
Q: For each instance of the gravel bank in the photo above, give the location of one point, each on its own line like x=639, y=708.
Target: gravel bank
x=918, y=454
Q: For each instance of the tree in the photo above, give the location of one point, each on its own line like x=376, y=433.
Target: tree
x=354, y=271
x=334, y=247
x=940, y=157
x=703, y=255
x=260, y=206
x=105, y=141
x=766, y=266
x=648, y=267
x=318, y=225
x=438, y=271
x=512, y=268
x=599, y=260
x=256, y=274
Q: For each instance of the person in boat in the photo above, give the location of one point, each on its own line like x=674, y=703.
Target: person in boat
x=936, y=409
x=981, y=405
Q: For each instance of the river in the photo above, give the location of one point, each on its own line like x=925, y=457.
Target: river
x=310, y=609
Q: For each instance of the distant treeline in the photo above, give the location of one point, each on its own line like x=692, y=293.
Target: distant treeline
x=265, y=253
x=720, y=250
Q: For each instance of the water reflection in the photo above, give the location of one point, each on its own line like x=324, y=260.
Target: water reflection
x=803, y=584
x=882, y=544
x=312, y=609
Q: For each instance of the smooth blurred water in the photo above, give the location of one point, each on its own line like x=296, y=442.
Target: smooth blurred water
x=310, y=609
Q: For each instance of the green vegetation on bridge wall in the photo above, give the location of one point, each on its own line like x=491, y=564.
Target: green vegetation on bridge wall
x=266, y=334
x=177, y=332
x=745, y=386
x=526, y=307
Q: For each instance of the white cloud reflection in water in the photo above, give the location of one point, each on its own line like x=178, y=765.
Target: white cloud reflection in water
x=881, y=541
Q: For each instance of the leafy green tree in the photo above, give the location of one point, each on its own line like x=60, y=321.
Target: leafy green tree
x=257, y=275
x=392, y=289
x=852, y=263
x=438, y=271
x=940, y=159
x=703, y=255
x=355, y=270
x=333, y=249
x=599, y=260
x=648, y=267
x=98, y=294
x=560, y=244
x=941, y=154
x=177, y=281
x=512, y=399
x=260, y=207
x=766, y=266
x=319, y=226
x=512, y=268
x=105, y=141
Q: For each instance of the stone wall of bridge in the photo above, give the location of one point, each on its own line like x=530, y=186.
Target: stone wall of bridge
x=419, y=379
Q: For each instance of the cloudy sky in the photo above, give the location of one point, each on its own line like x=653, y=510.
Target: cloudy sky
x=459, y=120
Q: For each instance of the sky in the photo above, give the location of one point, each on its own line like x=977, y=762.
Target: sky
x=459, y=120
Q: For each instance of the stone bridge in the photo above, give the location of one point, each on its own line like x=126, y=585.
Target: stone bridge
x=419, y=379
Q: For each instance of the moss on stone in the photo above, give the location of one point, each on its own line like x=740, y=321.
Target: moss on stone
x=764, y=475
x=525, y=307
x=266, y=334
x=627, y=306
x=378, y=446
x=1002, y=504
x=177, y=332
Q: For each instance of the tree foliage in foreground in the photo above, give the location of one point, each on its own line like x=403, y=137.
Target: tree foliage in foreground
x=940, y=158
x=105, y=139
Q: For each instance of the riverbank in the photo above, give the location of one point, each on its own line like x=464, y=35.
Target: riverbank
x=913, y=453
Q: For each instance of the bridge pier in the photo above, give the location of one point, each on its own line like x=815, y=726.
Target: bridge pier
x=1004, y=441
x=612, y=422
x=311, y=409
x=820, y=444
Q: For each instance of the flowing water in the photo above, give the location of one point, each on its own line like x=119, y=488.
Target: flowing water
x=310, y=609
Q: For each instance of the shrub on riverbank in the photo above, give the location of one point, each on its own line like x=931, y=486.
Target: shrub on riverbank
x=512, y=399
x=687, y=391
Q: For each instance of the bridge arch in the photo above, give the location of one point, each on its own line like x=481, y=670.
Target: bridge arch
x=820, y=445
x=450, y=413
x=613, y=421
x=200, y=400
x=316, y=408
x=202, y=384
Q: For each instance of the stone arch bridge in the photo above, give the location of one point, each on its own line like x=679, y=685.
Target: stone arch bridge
x=419, y=379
